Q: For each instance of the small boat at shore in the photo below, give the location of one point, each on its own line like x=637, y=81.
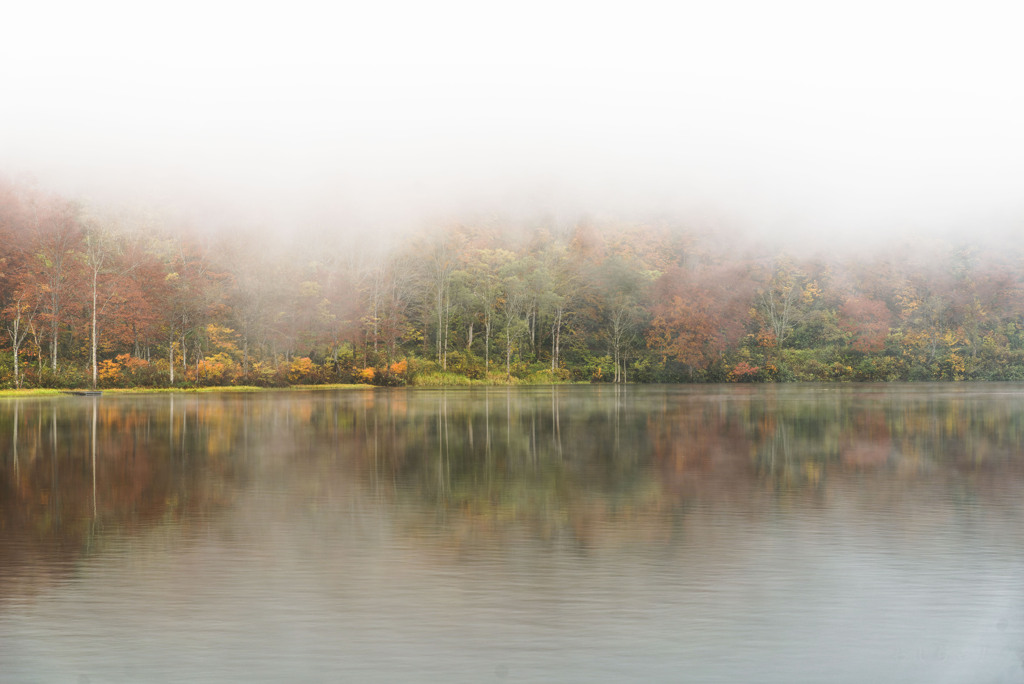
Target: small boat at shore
x=84, y=393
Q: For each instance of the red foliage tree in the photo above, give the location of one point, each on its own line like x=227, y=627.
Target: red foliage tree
x=699, y=314
x=867, y=321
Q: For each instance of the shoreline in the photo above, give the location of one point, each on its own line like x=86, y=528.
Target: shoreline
x=243, y=389
x=46, y=391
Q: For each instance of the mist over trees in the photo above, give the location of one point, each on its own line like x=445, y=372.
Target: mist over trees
x=112, y=298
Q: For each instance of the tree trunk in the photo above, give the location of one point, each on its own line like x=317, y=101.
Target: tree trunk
x=440, y=311
x=16, y=337
x=556, y=331
x=93, y=340
x=487, y=344
x=184, y=354
x=376, y=332
x=53, y=347
x=508, y=359
x=17, y=377
x=533, y=331
x=447, y=317
x=39, y=348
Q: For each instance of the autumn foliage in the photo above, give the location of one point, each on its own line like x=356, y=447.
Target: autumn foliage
x=866, y=321
x=85, y=291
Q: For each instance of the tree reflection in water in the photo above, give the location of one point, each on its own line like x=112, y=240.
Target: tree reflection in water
x=584, y=465
x=84, y=471
x=577, y=533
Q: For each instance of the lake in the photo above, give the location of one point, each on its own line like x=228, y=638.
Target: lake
x=795, y=533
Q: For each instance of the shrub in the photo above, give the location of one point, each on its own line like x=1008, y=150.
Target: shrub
x=744, y=372
x=6, y=369
x=440, y=379
x=466, y=363
x=66, y=377
x=302, y=371
x=394, y=375
x=877, y=369
x=219, y=369
x=263, y=375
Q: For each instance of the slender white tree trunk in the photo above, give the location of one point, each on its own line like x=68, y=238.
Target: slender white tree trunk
x=16, y=338
x=93, y=345
x=170, y=353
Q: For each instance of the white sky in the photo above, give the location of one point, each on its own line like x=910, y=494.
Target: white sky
x=811, y=116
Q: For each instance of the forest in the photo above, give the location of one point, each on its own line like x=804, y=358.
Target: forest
x=110, y=297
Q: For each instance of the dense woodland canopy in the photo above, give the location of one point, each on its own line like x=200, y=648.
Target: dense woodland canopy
x=112, y=298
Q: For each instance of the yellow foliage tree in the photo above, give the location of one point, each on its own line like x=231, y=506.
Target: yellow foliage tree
x=301, y=369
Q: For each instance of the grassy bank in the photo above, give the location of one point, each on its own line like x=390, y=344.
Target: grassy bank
x=228, y=388
x=43, y=392
x=29, y=392
x=448, y=379
x=430, y=379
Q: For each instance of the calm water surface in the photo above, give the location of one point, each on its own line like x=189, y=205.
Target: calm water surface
x=569, y=534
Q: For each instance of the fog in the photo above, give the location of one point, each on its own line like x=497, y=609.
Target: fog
x=792, y=119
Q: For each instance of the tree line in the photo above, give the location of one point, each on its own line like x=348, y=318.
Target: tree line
x=108, y=298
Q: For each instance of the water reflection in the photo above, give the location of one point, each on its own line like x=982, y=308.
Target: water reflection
x=487, y=458
x=724, y=529
x=81, y=471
